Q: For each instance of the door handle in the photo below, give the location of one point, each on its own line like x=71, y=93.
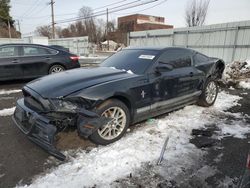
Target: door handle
x=191, y=74
x=15, y=61
x=48, y=58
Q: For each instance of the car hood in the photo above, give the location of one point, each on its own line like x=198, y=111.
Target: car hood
x=68, y=82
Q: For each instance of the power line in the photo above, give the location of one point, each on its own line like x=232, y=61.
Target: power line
x=123, y=5
x=143, y=9
x=30, y=9
x=38, y=17
x=103, y=13
x=110, y=4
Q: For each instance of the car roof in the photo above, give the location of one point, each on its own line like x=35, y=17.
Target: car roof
x=159, y=48
x=22, y=44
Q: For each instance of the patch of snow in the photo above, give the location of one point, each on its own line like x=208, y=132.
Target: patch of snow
x=225, y=101
x=105, y=164
x=236, y=129
x=130, y=72
x=7, y=111
x=244, y=84
x=7, y=92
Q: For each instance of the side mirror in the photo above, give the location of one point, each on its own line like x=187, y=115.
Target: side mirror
x=163, y=67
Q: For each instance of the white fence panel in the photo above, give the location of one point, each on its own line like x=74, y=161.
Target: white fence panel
x=229, y=41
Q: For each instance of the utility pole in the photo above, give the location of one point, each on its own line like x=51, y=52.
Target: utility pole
x=53, y=19
x=107, y=28
x=19, y=28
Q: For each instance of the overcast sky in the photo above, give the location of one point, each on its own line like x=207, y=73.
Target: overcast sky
x=33, y=13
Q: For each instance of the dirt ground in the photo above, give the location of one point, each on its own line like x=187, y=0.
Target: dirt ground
x=21, y=160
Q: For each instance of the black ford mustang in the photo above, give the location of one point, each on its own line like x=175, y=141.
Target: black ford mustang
x=130, y=86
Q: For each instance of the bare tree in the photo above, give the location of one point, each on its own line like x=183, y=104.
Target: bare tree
x=44, y=31
x=111, y=26
x=87, y=26
x=196, y=12
x=89, y=22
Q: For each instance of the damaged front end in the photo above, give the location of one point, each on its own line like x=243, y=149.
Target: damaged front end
x=41, y=119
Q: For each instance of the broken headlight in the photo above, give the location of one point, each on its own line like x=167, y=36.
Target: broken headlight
x=64, y=105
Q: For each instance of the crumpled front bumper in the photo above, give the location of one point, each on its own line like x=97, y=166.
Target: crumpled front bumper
x=37, y=128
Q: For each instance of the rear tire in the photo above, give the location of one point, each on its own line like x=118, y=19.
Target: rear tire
x=209, y=93
x=56, y=68
x=117, y=127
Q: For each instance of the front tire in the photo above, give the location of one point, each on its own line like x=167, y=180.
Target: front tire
x=114, y=129
x=209, y=93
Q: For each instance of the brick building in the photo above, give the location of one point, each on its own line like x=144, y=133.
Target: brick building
x=141, y=22
x=136, y=22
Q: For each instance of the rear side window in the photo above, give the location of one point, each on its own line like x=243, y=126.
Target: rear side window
x=33, y=51
x=51, y=51
x=8, y=51
x=177, y=58
x=200, y=58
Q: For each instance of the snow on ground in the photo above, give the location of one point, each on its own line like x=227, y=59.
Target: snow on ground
x=7, y=111
x=103, y=165
x=244, y=84
x=7, y=92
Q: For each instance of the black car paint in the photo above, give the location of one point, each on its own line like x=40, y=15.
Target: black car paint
x=146, y=95
x=33, y=66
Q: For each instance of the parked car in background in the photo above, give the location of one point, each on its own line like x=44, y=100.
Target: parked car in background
x=58, y=47
x=130, y=86
x=18, y=61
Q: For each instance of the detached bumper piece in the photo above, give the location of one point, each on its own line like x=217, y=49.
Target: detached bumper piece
x=37, y=128
x=88, y=122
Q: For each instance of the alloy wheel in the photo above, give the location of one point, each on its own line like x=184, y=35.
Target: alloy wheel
x=114, y=127
x=211, y=92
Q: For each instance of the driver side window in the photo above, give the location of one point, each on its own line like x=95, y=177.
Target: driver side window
x=177, y=58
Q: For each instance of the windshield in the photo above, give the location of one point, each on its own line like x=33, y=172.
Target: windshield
x=136, y=61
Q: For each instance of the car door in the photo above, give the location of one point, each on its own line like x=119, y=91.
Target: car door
x=35, y=60
x=175, y=83
x=10, y=62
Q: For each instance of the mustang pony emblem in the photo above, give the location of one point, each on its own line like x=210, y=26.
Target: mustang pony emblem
x=143, y=93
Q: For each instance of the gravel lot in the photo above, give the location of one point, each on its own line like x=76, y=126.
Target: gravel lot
x=21, y=160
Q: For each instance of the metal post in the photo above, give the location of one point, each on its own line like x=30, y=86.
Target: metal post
x=187, y=33
x=173, y=39
x=107, y=27
x=235, y=43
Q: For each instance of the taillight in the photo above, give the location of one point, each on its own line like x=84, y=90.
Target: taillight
x=74, y=58
x=248, y=161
